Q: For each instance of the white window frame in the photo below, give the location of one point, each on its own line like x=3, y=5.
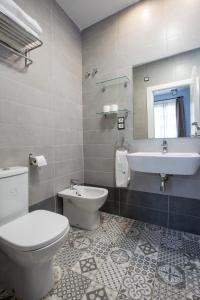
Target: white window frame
x=150, y=100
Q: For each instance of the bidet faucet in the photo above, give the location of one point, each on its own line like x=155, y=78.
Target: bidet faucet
x=74, y=182
x=164, y=146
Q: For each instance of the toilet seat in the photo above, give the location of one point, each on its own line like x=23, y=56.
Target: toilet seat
x=34, y=231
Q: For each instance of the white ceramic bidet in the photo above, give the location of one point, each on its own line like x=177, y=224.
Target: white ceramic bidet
x=81, y=205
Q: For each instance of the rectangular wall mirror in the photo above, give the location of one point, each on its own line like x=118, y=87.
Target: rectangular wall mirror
x=167, y=97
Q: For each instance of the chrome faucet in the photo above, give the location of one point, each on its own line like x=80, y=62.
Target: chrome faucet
x=73, y=182
x=197, y=128
x=164, y=146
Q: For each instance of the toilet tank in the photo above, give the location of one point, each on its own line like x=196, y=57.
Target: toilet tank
x=13, y=193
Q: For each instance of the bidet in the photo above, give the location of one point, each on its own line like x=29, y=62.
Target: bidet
x=81, y=205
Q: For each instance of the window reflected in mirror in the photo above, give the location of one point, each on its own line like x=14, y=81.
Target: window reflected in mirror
x=167, y=98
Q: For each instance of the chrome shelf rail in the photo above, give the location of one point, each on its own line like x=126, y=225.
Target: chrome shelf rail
x=113, y=81
x=16, y=39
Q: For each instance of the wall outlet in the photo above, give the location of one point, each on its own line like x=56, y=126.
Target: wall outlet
x=121, y=126
x=121, y=120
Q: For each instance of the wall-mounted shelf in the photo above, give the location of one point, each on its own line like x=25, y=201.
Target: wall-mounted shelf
x=113, y=81
x=16, y=39
x=114, y=113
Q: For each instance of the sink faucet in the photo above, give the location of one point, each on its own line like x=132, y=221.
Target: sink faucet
x=197, y=128
x=164, y=146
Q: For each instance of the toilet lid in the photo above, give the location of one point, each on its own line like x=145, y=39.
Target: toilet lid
x=34, y=230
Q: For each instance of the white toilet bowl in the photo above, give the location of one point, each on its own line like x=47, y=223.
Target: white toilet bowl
x=29, y=243
x=81, y=205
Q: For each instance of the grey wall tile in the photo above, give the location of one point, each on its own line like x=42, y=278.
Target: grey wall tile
x=41, y=108
x=99, y=178
x=137, y=37
x=184, y=223
x=148, y=200
x=144, y=214
x=48, y=204
x=184, y=206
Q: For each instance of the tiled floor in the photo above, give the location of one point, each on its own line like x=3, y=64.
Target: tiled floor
x=127, y=259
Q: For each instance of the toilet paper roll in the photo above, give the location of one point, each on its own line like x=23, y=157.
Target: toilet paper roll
x=114, y=107
x=106, y=108
x=39, y=161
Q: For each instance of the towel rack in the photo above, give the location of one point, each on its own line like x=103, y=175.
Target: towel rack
x=16, y=39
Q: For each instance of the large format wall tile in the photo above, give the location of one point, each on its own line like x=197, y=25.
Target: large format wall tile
x=41, y=107
x=144, y=32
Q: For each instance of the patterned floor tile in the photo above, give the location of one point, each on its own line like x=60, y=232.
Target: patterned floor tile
x=125, y=223
x=126, y=243
x=136, y=229
x=173, y=257
x=193, y=282
x=79, y=241
x=72, y=286
x=172, y=239
x=105, y=234
x=149, y=241
x=191, y=248
x=143, y=265
x=171, y=275
x=99, y=292
x=118, y=225
x=190, y=236
x=105, y=217
x=152, y=234
x=162, y=291
x=67, y=256
x=136, y=286
x=110, y=275
x=87, y=265
x=100, y=249
x=112, y=271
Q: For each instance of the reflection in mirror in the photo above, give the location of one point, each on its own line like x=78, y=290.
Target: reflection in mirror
x=167, y=97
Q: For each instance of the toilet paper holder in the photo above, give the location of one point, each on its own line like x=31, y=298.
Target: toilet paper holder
x=34, y=160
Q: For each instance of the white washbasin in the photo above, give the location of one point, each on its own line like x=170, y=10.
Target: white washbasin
x=164, y=163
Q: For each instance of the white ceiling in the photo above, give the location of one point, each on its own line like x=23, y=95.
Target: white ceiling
x=85, y=13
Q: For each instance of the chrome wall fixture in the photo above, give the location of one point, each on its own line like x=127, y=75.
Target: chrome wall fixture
x=16, y=39
x=87, y=75
x=92, y=73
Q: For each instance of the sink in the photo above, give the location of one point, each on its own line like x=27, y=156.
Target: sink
x=164, y=163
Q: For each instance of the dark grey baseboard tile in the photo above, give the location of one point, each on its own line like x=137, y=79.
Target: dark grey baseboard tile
x=144, y=199
x=59, y=205
x=47, y=204
x=111, y=207
x=144, y=214
x=184, y=223
x=184, y=206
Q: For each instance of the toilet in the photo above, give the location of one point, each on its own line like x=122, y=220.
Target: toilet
x=81, y=205
x=28, y=241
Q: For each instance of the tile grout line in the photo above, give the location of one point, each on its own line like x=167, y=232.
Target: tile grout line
x=168, y=199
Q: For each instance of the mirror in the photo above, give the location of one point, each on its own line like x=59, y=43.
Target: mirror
x=166, y=100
